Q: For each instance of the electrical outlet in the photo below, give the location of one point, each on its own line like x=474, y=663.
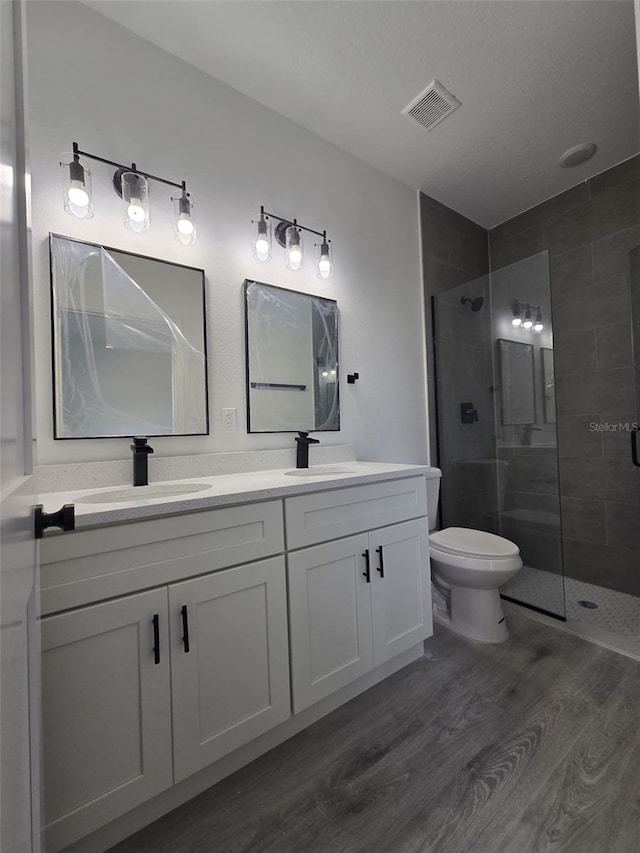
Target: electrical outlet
x=229, y=423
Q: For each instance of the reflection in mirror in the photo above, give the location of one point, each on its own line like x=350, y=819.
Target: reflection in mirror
x=129, y=344
x=517, y=383
x=292, y=360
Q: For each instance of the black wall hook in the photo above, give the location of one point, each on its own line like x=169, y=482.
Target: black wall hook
x=351, y=378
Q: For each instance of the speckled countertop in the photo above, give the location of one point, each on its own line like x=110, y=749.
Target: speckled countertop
x=219, y=491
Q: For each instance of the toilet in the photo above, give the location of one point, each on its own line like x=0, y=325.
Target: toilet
x=468, y=566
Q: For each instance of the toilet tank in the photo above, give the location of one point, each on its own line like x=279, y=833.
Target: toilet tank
x=433, y=492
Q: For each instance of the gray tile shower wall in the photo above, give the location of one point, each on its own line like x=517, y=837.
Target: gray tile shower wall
x=455, y=250
x=589, y=231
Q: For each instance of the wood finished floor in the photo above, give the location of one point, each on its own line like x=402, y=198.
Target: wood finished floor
x=527, y=747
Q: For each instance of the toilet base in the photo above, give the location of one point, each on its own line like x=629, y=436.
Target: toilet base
x=477, y=614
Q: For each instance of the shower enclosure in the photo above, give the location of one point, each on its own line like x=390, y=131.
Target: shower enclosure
x=497, y=435
x=542, y=446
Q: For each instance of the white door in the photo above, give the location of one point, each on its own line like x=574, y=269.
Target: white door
x=19, y=647
x=229, y=661
x=107, y=728
x=330, y=618
x=400, y=589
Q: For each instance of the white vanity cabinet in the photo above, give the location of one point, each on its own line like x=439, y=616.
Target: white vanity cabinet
x=172, y=646
x=356, y=602
x=106, y=713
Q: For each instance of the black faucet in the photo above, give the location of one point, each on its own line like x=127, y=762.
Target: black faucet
x=302, y=455
x=141, y=451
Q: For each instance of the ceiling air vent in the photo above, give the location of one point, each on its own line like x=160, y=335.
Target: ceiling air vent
x=431, y=105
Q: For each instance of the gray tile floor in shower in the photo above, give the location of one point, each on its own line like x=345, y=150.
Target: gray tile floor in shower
x=616, y=613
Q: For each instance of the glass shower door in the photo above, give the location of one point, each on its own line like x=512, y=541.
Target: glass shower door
x=634, y=293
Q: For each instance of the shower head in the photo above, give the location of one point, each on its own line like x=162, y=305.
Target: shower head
x=476, y=304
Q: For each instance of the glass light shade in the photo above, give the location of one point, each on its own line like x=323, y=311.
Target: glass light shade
x=262, y=242
x=538, y=325
x=135, y=195
x=517, y=319
x=185, y=226
x=324, y=263
x=76, y=187
x=294, y=249
x=528, y=322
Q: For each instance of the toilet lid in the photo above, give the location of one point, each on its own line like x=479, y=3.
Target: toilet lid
x=463, y=540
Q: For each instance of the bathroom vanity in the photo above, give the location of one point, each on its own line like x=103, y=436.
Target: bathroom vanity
x=185, y=635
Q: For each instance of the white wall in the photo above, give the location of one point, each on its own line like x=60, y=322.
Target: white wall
x=121, y=97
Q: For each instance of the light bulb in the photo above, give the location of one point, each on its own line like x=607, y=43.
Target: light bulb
x=294, y=248
x=262, y=248
x=135, y=211
x=517, y=321
x=135, y=195
x=528, y=324
x=324, y=259
x=78, y=195
x=185, y=225
x=538, y=326
x=325, y=372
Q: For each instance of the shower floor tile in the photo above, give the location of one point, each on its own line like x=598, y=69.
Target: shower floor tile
x=616, y=612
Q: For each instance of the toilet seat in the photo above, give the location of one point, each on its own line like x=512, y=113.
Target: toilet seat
x=464, y=542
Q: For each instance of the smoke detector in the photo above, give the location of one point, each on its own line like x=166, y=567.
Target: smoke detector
x=431, y=106
x=577, y=155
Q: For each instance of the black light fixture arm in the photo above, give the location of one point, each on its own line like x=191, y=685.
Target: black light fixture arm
x=294, y=222
x=131, y=168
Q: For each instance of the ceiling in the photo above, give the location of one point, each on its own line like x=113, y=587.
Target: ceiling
x=534, y=77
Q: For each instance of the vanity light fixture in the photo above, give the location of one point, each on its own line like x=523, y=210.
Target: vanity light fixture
x=132, y=185
x=288, y=234
x=522, y=310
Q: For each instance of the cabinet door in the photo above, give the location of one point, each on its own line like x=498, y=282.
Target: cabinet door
x=106, y=717
x=330, y=618
x=229, y=661
x=400, y=589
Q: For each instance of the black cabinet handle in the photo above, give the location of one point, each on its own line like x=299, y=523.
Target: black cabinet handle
x=185, y=628
x=367, y=571
x=156, y=639
x=65, y=519
x=381, y=566
x=634, y=447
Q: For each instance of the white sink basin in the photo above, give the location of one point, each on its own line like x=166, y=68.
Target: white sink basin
x=141, y=493
x=320, y=471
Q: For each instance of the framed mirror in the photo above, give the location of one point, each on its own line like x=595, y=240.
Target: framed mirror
x=291, y=360
x=129, y=344
x=548, y=378
x=517, y=382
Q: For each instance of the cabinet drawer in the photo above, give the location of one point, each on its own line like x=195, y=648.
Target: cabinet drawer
x=329, y=515
x=91, y=565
